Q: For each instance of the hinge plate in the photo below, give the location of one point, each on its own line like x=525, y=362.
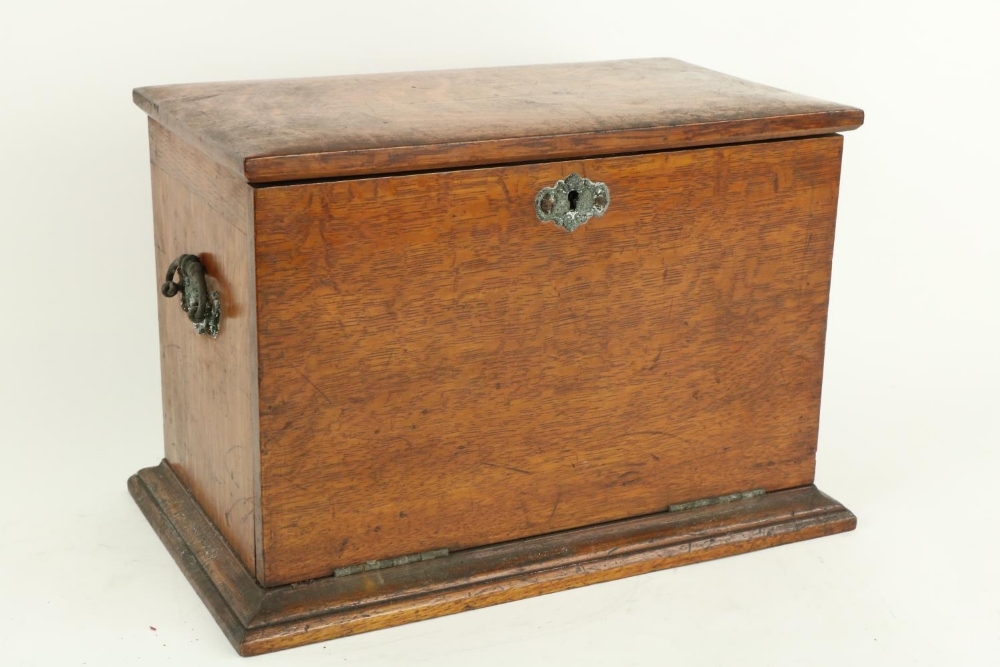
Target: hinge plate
x=389, y=562
x=438, y=553
x=718, y=500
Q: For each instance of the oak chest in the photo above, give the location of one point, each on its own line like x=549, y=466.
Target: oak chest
x=437, y=340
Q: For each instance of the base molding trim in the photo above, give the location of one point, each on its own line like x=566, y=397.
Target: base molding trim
x=259, y=620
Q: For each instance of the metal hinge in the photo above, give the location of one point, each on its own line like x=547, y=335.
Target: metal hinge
x=718, y=500
x=389, y=562
x=438, y=553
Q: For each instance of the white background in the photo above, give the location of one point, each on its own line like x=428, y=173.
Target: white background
x=909, y=434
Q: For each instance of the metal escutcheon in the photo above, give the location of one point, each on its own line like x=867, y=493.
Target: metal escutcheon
x=572, y=201
x=202, y=306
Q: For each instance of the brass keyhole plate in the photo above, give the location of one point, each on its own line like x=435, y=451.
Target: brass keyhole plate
x=572, y=201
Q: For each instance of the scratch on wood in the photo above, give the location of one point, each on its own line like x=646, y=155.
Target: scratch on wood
x=669, y=435
x=311, y=384
x=511, y=468
x=556, y=506
x=506, y=192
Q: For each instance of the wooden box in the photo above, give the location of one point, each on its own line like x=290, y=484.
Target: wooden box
x=483, y=334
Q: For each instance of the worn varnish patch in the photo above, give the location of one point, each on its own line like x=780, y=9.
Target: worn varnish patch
x=297, y=129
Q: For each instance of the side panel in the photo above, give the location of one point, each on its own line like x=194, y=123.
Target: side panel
x=210, y=406
x=439, y=369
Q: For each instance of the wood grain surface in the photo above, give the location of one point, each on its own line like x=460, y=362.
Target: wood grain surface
x=258, y=620
x=296, y=129
x=210, y=405
x=439, y=369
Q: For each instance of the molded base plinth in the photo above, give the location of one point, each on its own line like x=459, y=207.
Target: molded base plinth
x=258, y=620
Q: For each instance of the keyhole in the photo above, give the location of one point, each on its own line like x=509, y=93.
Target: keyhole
x=573, y=196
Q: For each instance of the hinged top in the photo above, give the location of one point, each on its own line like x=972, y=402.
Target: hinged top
x=296, y=129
